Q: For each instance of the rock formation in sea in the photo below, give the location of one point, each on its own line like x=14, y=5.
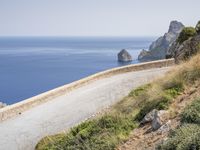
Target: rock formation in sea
x=159, y=48
x=124, y=56
x=187, y=44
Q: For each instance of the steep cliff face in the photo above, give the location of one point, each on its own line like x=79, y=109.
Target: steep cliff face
x=159, y=48
x=186, y=49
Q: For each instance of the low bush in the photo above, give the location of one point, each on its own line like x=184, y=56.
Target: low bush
x=160, y=100
x=140, y=90
x=160, y=103
x=187, y=137
x=190, y=72
x=186, y=33
x=191, y=114
x=102, y=133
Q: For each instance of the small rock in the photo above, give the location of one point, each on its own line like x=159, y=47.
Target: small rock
x=124, y=56
x=155, y=117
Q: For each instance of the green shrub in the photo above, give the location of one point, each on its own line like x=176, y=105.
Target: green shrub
x=190, y=76
x=198, y=27
x=160, y=103
x=186, y=33
x=140, y=90
x=129, y=105
x=103, y=133
x=191, y=114
x=187, y=137
x=169, y=91
x=173, y=86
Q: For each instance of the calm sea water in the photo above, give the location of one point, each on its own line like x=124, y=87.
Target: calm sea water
x=30, y=66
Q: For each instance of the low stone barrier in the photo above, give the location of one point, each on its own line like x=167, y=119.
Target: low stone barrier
x=20, y=107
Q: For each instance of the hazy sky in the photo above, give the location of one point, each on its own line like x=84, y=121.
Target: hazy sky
x=94, y=17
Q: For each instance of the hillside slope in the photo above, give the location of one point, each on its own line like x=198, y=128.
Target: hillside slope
x=114, y=126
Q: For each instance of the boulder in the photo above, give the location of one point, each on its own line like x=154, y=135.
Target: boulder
x=158, y=119
x=155, y=117
x=159, y=48
x=149, y=117
x=156, y=122
x=124, y=56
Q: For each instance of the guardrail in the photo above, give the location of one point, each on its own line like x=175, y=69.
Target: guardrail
x=20, y=107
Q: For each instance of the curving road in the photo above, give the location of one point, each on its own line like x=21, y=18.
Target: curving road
x=24, y=131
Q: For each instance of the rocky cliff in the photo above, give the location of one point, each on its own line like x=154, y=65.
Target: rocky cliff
x=187, y=44
x=159, y=48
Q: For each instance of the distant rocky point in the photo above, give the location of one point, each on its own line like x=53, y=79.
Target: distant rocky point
x=2, y=105
x=158, y=49
x=124, y=56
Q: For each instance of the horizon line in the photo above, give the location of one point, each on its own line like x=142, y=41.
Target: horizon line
x=78, y=36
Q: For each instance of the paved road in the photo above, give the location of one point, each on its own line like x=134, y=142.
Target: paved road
x=24, y=131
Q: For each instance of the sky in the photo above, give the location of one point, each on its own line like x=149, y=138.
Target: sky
x=94, y=17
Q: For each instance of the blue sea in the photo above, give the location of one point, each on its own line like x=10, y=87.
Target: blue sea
x=33, y=65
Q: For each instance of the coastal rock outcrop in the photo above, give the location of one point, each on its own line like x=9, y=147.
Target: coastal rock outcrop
x=182, y=50
x=2, y=105
x=124, y=56
x=146, y=54
x=159, y=48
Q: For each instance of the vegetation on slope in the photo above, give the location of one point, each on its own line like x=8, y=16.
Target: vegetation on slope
x=186, y=137
x=186, y=33
x=186, y=45
x=191, y=114
x=113, y=127
x=102, y=133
